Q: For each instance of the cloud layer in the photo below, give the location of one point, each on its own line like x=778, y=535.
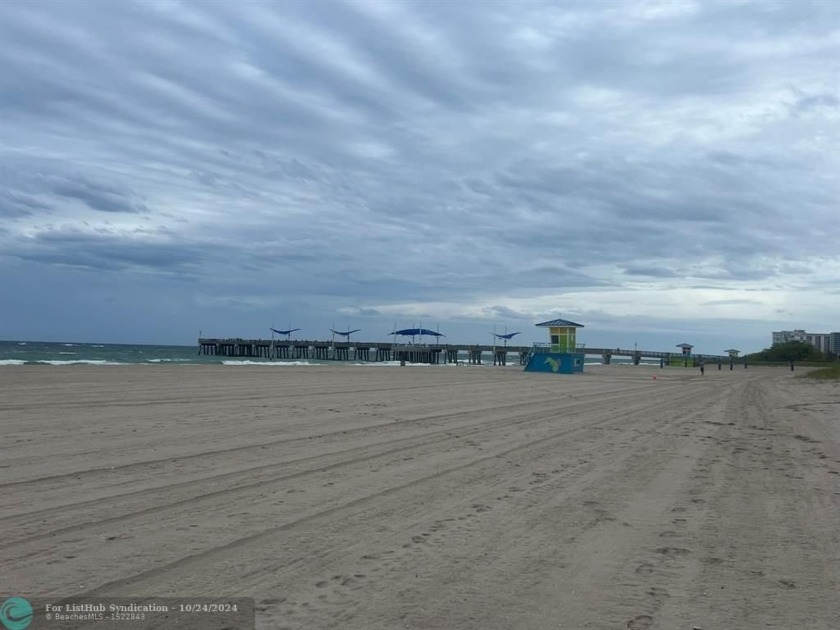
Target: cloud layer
x=643, y=167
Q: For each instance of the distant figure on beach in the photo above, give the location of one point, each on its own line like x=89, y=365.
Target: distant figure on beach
x=791, y=365
x=702, y=368
x=661, y=363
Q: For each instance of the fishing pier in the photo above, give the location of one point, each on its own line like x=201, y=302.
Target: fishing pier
x=411, y=353
x=360, y=351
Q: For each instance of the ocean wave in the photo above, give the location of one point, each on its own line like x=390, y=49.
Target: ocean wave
x=170, y=360
x=272, y=363
x=12, y=362
x=397, y=364
x=80, y=362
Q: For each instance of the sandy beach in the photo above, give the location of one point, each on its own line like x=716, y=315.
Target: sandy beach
x=429, y=497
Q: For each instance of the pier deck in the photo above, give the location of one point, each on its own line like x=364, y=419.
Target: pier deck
x=412, y=353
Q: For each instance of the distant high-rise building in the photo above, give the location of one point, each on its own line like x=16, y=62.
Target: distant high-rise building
x=783, y=336
x=834, y=343
x=824, y=342
x=820, y=341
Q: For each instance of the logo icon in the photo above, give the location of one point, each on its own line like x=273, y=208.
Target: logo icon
x=16, y=613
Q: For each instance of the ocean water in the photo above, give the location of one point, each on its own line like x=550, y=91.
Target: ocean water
x=71, y=353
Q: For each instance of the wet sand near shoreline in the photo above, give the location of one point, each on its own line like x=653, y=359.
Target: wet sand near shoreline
x=429, y=497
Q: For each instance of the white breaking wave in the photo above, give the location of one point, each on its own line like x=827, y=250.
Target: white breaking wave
x=398, y=364
x=168, y=360
x=12, y=362
x=272, y=363
x=81, y=362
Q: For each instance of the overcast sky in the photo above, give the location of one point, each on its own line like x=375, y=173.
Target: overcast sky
x=661, y=172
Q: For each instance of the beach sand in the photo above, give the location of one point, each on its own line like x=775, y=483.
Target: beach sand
x=429, y=497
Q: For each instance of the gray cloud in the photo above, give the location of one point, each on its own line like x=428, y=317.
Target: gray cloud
x=98, y=196
x=16, y=204
x=348, y=156
x=107, y=252
x=653, y=272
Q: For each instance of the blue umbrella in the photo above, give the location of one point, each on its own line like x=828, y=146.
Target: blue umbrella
x=285, y=332
x=507, y=336
x=345, y=334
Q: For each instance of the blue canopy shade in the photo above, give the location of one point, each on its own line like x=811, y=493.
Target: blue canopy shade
x=412, y=332
x=285, y=332
x=345, y=334
x=507, y=335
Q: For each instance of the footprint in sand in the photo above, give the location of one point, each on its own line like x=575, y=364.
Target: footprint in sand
x=642, y=622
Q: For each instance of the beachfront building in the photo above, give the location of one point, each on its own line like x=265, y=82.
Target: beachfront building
x=824, y=342
x=821, y=341
x=733, y=354
x=783, y=336
x=562, y=354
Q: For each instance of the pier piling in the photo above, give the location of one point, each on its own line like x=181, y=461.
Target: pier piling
x=431, y=354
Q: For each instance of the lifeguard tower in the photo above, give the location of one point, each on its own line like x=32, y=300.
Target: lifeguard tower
x=562, y=354
x=733, y=354
x=684, y=359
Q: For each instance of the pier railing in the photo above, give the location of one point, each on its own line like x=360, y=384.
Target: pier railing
x=545, y=348
x=356, y=350
x=429, y=352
